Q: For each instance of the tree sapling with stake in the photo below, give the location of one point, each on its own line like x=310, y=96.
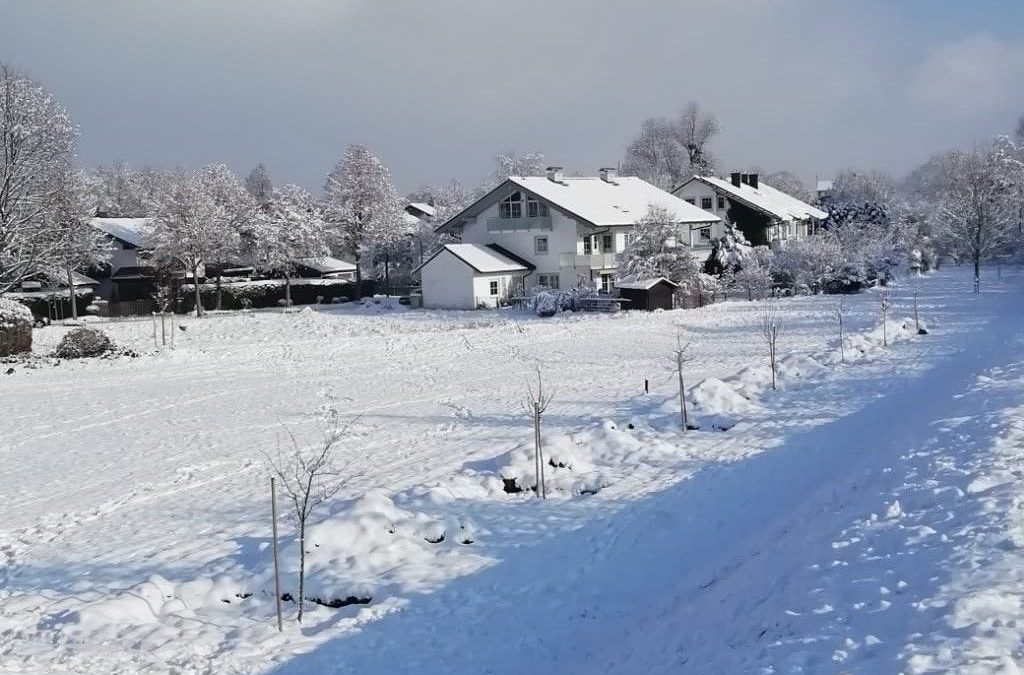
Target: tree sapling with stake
x=885, y=318
x=537, y=402
x=842, y=345
x=309, y=477
x=679, y=357
x=770, y=328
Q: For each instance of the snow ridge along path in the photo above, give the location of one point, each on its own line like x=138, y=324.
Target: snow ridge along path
x=727, y=572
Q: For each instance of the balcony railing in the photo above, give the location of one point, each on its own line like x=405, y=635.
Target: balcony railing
x=595, y=261
x=518, y=224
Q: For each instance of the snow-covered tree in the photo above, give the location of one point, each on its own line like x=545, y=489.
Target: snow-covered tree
x=790, y=183
x=976, y=202
x=234, y=210
x=362, y=209
x=656, y=249
x=809, y=264
x=290, y=228
x=667, y=152
x=187, y=227
x=259, y=184
x=119, y=191
x=752, y=276
x=84, y=247
x=37, y=140
x=729, y=251
x=511, y=164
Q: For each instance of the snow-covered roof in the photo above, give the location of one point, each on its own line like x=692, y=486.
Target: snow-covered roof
x=425, y=208
x=593, y=200
x=824, y=185
x=605, y=204
x=765, y=198
x=644, y=284
x=411, y=221
x=137, y=232
x=327, y=265
x=483, y=259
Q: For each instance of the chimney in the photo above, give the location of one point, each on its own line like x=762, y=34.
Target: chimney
x=752, y=180
x=554, y=174
x=608, y=174
x=736, y=178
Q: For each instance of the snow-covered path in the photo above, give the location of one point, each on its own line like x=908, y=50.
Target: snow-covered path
x=819, y=556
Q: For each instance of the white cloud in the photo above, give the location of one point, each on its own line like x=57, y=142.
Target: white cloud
x=976, y=75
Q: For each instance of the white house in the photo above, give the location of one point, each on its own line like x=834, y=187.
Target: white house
x=471, y=276
x=565, y=230
x=764, y=215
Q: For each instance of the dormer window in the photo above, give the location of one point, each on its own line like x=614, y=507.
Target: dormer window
x=536, y=208
x=511, y=206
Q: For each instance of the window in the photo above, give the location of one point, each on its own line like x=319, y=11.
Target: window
x=549, y=281
x=494, y=288
x=511, y=207
x=536, y=208
x=540, y=245
x=690, y=200
x=704, y=235
x=705, y=203
x=608, y=243
x=607, y=283
x=721, y=203
x=588, y=245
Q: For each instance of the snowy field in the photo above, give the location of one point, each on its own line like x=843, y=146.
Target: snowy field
x=864, y=518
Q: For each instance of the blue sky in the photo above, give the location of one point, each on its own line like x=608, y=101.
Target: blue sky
x=437, y=88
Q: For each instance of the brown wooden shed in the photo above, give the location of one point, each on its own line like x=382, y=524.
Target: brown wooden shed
x=648, y=294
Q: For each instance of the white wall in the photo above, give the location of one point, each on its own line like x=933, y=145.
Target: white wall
x=482, y=288
x=447, y=283
x=695, y=190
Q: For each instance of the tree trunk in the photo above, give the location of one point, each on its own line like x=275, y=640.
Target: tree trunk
x=302, y=566
x=682, y=398
x=71, y=290
x=220, y=298
x=287, y=290
x=199, y=294
x=387, y=274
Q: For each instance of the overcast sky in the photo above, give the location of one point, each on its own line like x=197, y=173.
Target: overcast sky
x=437, y=87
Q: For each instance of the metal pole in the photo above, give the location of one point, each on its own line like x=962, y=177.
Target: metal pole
x=277, y=567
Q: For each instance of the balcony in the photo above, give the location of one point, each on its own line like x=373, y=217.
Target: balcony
x=595, y=261
x=518, y=224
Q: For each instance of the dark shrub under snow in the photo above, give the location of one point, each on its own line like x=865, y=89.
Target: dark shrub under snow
x=83, y=343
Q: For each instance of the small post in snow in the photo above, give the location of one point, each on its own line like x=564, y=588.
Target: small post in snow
x=842, y=346
x=885, y=318
x=277, y=567
x=647, y=386
x=155, y=343
x=917, y=320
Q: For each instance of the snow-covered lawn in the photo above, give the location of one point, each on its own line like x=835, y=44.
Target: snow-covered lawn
x=840, y=525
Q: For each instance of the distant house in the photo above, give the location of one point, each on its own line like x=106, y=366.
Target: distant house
x=563, y=232
x=130, y=275
x=325, y=268
x=421, y=211
x=824, y=190
x=764, y=215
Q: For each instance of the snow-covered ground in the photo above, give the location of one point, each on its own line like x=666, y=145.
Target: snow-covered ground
x=863, y=518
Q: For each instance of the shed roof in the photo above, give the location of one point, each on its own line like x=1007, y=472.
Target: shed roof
x=137, y=232
x=645, y=284
x=483, y=259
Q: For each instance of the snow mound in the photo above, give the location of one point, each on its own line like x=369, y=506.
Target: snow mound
x=715, y=397
x=374, y=543
x=751, y=381
x=157, y=599
x=797, y=366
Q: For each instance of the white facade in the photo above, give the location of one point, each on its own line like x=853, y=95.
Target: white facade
x=707, y=199
x=448, y=282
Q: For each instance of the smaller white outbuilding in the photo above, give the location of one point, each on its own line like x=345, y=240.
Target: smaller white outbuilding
x=471, y=276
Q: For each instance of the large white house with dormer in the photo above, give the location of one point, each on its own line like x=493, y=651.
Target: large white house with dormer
x=551, y=231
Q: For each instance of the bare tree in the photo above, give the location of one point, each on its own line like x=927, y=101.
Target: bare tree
x=536, y=404
x=770, y=329
x=680, y=355
x=309, y=477
x=696, y=128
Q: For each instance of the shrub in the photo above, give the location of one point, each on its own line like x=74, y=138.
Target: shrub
x=15, y=327
x=83, y=343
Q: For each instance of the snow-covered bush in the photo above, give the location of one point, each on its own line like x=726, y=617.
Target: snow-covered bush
x=549, y=303
x=729, y=252
x=545, y=303
x=83, y=343
x=15, y=327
